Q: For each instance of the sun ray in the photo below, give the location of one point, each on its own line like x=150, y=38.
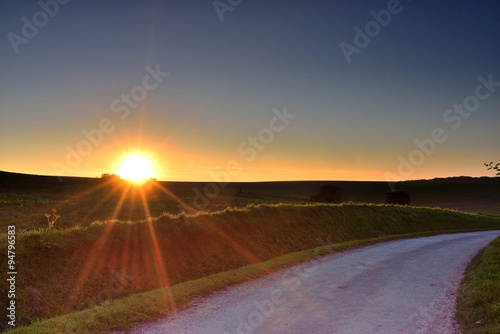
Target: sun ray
x=78, y=195
x=161, y=272
x=173, y=196
x=89, y=264
x=92, y=256
x=120, y=202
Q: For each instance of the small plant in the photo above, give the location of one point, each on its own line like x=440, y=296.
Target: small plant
x=55, y=216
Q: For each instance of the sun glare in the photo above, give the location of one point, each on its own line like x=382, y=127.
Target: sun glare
x=136, y=168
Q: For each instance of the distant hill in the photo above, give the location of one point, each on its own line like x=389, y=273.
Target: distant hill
x=9, y=180
x=462, y=179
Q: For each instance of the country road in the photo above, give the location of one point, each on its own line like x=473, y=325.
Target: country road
x=404, y=286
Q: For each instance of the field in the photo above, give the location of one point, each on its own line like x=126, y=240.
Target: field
x=114, y=240
x=24, y=199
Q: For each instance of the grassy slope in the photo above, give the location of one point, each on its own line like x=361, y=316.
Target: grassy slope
x=478, y=302
x=61, y=271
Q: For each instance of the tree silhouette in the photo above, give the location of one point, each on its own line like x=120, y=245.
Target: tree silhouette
x=329, y=194
x=397, y=197
x=108, y=176
x=494, y=167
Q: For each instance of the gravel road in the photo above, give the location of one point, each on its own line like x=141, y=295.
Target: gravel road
x=404, y=286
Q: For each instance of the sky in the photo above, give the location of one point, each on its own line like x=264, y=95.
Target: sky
x=240, y=90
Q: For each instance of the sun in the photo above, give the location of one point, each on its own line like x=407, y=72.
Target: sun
x=136, y=168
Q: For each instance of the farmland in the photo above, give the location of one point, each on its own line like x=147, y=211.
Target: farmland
x=24, y=199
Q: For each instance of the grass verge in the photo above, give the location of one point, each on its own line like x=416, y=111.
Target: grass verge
x=478, y=299
x=149, y=306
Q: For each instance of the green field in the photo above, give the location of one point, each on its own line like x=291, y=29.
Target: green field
x=114, y=242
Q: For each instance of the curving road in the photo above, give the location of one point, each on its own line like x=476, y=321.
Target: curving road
x=405, y=286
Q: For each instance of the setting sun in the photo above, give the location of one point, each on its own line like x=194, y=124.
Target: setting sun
x=136, y=168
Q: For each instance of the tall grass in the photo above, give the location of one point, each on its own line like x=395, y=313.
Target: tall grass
x=62, y=271
x=478, y=302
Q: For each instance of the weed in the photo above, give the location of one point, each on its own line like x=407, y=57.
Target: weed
x=55, y=216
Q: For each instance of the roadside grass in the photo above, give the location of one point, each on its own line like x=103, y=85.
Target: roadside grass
x=478, y=298
x=123, y=313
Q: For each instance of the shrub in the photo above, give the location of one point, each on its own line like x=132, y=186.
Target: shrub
x=329, y=194
x=108, y=176
x=397, y=197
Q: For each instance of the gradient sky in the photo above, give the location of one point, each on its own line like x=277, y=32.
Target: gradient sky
x=354, y=121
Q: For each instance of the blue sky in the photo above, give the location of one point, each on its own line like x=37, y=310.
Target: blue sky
x=353, y=120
